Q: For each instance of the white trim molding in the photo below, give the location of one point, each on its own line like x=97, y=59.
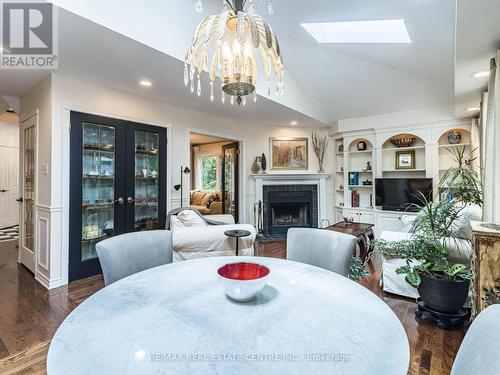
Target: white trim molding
x=318, y=179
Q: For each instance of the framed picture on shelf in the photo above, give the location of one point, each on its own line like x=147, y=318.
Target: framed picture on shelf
x=289, y=153
x=405, y=159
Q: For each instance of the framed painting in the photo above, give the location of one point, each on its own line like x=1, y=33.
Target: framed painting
x=405, y=159
x=289, y=153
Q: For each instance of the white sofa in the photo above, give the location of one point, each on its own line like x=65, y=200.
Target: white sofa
x=192, y=238
x=460, y=251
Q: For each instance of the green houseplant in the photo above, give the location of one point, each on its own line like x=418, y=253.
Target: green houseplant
x=442, y=284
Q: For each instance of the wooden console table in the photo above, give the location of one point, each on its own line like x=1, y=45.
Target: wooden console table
x=363, y=232
x=486, y=261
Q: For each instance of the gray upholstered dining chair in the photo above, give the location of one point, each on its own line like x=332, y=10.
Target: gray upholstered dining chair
x=480, y=350
x=322, y=248
x=129, y=253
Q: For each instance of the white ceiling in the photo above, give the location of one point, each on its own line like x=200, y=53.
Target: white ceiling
x=324, y=83
x=478, y=37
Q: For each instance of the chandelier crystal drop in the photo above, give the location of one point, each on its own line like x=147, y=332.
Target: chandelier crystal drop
x=228, y=45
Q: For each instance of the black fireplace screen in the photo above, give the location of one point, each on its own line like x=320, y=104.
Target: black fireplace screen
x=291, y=215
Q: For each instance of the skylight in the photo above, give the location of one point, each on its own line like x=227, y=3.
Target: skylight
x=379, y=31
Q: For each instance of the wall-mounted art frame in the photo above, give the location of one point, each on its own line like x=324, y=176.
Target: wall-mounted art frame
x=405, y=159
x=289, y=153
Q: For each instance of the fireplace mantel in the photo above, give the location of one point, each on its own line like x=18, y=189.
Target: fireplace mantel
x=318, y=179
x=291, y=176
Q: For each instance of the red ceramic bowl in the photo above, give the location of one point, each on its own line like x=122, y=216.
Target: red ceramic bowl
x=243, y=281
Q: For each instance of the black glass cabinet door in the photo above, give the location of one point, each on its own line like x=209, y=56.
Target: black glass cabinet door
x=117, y=184
x=146, y=177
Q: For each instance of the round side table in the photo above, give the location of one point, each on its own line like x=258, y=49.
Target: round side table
x=237, y=234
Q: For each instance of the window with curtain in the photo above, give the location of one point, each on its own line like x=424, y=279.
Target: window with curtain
x=208, y=172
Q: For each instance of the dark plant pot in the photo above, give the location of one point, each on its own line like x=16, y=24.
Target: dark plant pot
x=443, y=295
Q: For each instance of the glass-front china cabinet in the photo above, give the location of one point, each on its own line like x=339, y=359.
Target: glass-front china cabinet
x=118, y=184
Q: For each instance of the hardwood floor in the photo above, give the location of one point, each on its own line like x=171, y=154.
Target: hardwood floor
x=30, y=315
x=432, y=349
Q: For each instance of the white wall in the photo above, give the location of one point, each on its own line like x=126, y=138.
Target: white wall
x=398, y=119
x=56, y=96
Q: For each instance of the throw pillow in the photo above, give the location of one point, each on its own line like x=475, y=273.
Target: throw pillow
x=190, y=218
x=212, y=200
x=206, y=200
x=470, y=213
x=175, y=223
x=197, y=197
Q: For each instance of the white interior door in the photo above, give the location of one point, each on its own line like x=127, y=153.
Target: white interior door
x=27, y=246
x=9, y=182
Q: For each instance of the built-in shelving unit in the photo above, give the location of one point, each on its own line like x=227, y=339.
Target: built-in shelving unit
x=357, y=167
x=431, y=149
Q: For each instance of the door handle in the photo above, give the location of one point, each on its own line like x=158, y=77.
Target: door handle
x=120, y=200
x=20, y=200
x=130, y=200
x=3, y=191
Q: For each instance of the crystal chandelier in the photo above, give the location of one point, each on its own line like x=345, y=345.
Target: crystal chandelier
x=226, y=45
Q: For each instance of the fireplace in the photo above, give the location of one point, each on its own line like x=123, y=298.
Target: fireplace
x=289, y=206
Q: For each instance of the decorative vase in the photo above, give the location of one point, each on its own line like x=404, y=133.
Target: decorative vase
x=255, y=166
x=361, y=146
x=443, y=296
x=263, y=163
x=454, y=137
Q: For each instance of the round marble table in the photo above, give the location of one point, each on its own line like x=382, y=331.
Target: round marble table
x=176, y=319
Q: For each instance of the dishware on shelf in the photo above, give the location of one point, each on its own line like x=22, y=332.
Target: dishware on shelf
x=361, y=146
x=243, y=281
x=403, y=140
x=454, y=137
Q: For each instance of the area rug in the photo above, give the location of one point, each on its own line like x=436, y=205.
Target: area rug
x=9, y=234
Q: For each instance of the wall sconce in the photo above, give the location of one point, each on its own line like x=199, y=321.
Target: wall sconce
x=184, y=171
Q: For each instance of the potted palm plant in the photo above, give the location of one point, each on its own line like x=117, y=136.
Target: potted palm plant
x=442, y=284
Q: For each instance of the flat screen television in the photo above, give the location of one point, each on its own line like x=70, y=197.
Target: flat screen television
x=401, y=194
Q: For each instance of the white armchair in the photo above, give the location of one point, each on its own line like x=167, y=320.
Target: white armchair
x=460, y=251
x=193, y=238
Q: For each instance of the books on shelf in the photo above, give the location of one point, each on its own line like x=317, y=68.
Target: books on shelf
x=354, y=198
x=353, y=178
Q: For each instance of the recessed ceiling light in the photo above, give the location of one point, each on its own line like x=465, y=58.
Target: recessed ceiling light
x=473, y=109
x=146, y=83
x=485, y=73
x=378, y=31
x=294, y=123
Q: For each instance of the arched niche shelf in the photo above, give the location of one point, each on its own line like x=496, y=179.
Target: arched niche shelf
x=446, y=149
x=353, y=147
x=465, y=138
x=417, y=143
x=415, y=151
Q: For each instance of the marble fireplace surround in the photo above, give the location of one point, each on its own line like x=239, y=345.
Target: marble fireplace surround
x=318, y=179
